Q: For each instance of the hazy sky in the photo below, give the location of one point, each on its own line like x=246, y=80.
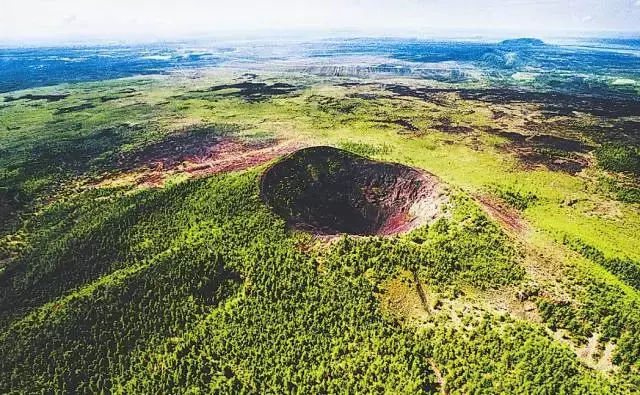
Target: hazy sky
x=27, y=20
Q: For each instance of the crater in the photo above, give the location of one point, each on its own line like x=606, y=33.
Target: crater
x=329, y=191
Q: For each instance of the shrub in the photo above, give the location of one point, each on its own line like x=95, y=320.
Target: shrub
x=365, y=149
x=619, y=158
x=515, y=198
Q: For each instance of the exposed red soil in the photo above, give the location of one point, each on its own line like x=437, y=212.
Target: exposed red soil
x=233, y=155
x=170, y=152
x=501, y=212
x=209, y=155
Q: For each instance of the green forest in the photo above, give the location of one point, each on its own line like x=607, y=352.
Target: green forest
x=199, y=288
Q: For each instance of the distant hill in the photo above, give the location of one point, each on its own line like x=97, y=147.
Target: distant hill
x=523, y=41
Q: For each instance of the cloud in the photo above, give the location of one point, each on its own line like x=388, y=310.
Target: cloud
x=161, y=19
x=70, y=19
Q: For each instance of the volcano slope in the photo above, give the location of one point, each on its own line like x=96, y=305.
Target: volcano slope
x=199, y=287
x=329, y=191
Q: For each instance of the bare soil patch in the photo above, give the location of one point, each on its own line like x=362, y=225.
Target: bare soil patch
x=408, y=127
x=447, y=126
x=501, y=212
x=436, y=96
x=234, y=155
x=197, y=154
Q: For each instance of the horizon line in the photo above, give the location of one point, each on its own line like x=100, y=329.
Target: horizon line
x=296, y=34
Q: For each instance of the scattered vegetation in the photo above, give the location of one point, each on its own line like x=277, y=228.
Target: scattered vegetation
x=619, y=158
x=511, y=357
x=606, y=310
x=621, y=188
x=365, y=149
x=516, y=198
x=625, y=269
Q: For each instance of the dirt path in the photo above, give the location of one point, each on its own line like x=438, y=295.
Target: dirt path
x=439, y=378
x=509, y=217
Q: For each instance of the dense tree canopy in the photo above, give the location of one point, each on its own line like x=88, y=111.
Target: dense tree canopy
x=198, y=287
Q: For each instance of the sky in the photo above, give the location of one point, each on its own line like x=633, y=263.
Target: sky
x=52, y=20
